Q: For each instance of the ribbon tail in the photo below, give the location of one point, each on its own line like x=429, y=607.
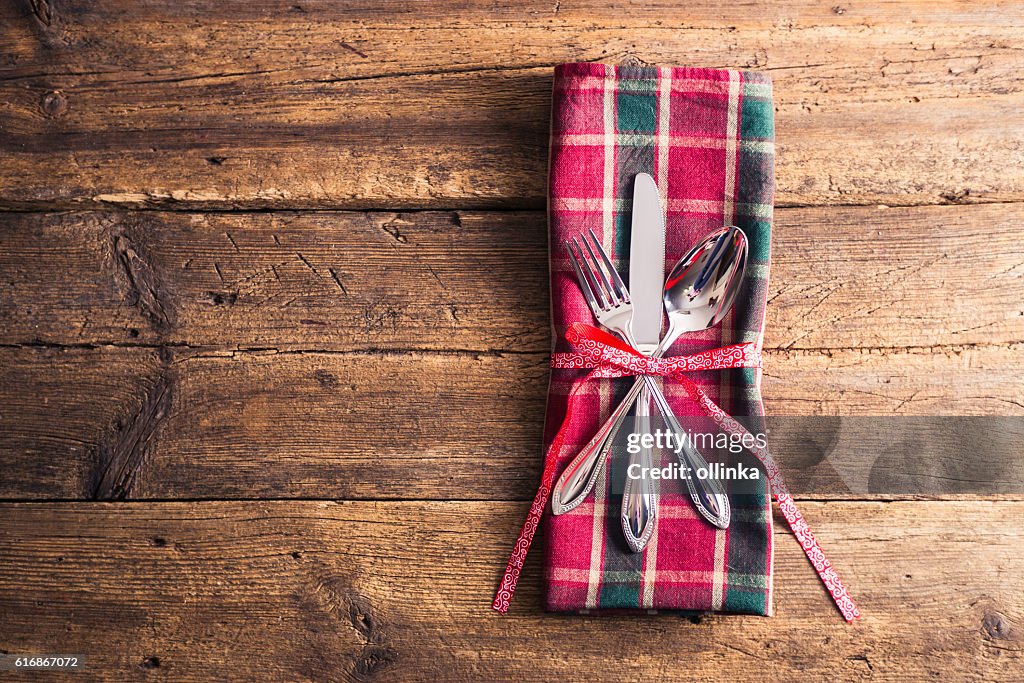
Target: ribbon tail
x=510, y=578
x=816, y=555
x=795, y=520
x=515, y=562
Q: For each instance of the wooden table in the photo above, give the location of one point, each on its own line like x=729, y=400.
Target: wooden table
x=259, y=420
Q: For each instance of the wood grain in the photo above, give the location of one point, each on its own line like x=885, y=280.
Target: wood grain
x=855, y=277
x=286, y=105
x=67, y=414
x=180, y=423
x=401, y=591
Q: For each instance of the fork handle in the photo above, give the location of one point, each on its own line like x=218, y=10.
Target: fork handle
x=708, y=495
x=579, y=477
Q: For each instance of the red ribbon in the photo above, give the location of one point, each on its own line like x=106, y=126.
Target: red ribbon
x=607, y=356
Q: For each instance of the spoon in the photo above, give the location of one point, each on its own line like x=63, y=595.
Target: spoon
x=699, y=291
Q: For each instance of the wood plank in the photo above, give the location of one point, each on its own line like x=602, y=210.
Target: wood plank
x=68, y=413
x=110, y=422
x=288, y=105
x=855, y=277
x=362, y=591
x=341, y=281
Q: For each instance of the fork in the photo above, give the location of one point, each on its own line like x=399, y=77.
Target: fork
x=609, y=301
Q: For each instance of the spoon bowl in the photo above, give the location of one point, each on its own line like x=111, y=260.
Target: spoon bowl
x=702, y=287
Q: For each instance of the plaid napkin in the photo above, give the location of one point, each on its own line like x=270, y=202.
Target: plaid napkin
x=706, y=136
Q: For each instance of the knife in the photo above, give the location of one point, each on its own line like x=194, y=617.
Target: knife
x=646, y=282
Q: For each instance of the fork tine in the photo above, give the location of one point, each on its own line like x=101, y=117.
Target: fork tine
x=620, y=286
x=603, y=282
x=600, y=291
x=585, y=287
x=596, y=286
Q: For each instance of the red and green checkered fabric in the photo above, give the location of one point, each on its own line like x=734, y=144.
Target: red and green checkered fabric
x=707, y=138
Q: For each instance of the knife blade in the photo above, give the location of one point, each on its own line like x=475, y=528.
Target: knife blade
x=647, y=263
x=646, y=281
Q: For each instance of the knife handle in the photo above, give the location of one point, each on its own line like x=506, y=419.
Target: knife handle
x=639, y=497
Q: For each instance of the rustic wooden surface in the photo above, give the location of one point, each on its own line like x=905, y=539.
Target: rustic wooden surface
x=299, y=104
x=365, y=590
x=244, y=252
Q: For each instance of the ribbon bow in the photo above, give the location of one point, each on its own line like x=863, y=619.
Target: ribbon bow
x=606, y=356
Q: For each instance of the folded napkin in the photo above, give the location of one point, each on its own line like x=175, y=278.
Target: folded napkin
x=706, y=136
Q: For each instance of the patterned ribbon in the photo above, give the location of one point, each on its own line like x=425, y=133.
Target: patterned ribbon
x=606, y=356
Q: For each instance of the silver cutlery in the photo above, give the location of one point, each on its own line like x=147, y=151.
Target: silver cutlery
x=609, y=301
x=700, y=290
